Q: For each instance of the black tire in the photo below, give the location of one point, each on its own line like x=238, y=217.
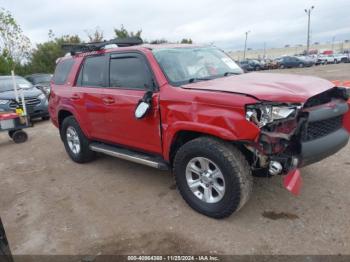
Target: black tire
x=45, y=118
x=19, y=136
x=11, y=132
x=85, y=154
x=235, y=170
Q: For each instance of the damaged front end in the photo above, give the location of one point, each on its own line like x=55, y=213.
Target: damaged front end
x=295, y=135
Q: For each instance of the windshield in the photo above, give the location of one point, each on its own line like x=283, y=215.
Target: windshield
x=6, y=84
x=186, y=65
x=41, y=79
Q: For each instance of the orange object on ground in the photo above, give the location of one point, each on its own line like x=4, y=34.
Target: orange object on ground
x=346, y=83
x=337, y=82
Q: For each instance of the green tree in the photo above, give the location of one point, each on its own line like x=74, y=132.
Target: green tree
x=13, y=43
x=159, y=41
x=186, y=41
x=123, y=33
x=44, y=56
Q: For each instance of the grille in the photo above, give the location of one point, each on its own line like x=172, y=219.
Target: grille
x=30, y=101
x=322, y=128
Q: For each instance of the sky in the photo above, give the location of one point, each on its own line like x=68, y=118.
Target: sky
x=222, y=22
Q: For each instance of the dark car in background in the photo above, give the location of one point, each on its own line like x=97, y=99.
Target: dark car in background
x=36, y=100
x=251, y=65
x=293, y=61
x=41, y=81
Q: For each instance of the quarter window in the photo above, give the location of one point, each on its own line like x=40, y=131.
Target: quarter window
x=62, y=71
x=129, y=72
x=93, y=72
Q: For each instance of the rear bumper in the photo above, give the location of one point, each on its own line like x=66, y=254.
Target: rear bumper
x=318, y=149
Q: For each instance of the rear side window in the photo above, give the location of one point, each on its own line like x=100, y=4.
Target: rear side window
x=129, y=72
x=93, y=72
x=62, y=70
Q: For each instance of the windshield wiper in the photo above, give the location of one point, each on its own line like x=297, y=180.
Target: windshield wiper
x=231, y=73
x=194, y=79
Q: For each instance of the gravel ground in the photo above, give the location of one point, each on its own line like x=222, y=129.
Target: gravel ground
x=50, y=205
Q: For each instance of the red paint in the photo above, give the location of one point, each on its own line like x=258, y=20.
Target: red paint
x=8, y=116
x=346, y=119
x=292, y=182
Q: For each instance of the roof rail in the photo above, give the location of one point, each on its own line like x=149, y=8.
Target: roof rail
x=95, y=46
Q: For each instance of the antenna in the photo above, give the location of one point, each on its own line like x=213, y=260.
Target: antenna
x=96, y=46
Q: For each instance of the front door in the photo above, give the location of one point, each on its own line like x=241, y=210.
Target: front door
x=129, y=78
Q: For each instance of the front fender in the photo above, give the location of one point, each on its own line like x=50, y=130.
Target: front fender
x=229, y=129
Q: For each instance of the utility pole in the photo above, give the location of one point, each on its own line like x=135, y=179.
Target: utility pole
x=245, y=44
x=308, y=12
x=333, y=38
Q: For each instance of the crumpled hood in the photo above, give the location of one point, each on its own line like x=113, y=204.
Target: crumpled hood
x=267, y=86
x=30, y=92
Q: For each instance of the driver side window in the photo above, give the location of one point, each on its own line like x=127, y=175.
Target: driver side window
x=129, y=72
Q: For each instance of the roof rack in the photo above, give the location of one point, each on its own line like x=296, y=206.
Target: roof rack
x=95, y=46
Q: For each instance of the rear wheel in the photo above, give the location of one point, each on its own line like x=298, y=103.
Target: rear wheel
x=75, y=142
x=212, y=176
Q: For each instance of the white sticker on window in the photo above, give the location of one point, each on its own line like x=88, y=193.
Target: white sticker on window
x=23, y=85
x=230, y=63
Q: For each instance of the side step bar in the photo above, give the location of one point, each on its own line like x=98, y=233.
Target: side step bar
x=133, y=156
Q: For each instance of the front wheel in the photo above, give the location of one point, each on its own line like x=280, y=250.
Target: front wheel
x=75, y=142
x=212, y=176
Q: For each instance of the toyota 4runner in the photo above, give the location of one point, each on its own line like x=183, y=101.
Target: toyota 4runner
x=191, y=109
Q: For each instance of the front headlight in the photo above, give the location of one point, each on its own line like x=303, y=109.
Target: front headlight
x=42, y=97
x=263, y=114
x=3, y=101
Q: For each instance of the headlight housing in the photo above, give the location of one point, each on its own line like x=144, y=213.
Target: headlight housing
x=42, y=97
x=263, y=114
x=3, y=101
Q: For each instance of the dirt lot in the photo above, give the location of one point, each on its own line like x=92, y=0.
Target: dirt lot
x=50, y=205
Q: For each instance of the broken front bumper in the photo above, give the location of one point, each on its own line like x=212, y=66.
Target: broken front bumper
x=318, y=149
x=324, y=134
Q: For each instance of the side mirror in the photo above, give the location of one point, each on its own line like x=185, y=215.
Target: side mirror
x=144, y=105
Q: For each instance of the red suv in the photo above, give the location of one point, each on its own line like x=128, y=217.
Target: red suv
x=192, y=110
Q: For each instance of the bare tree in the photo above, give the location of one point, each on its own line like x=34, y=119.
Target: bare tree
x=95, y=35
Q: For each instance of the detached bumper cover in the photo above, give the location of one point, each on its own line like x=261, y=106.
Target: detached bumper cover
x=321, y=145
x=318, y=149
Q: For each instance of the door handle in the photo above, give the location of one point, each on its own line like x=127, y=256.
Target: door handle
x=75, y=97
x=108, y=100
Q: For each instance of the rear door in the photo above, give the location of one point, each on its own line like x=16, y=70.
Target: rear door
x=88, y=93
x=130, y=76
